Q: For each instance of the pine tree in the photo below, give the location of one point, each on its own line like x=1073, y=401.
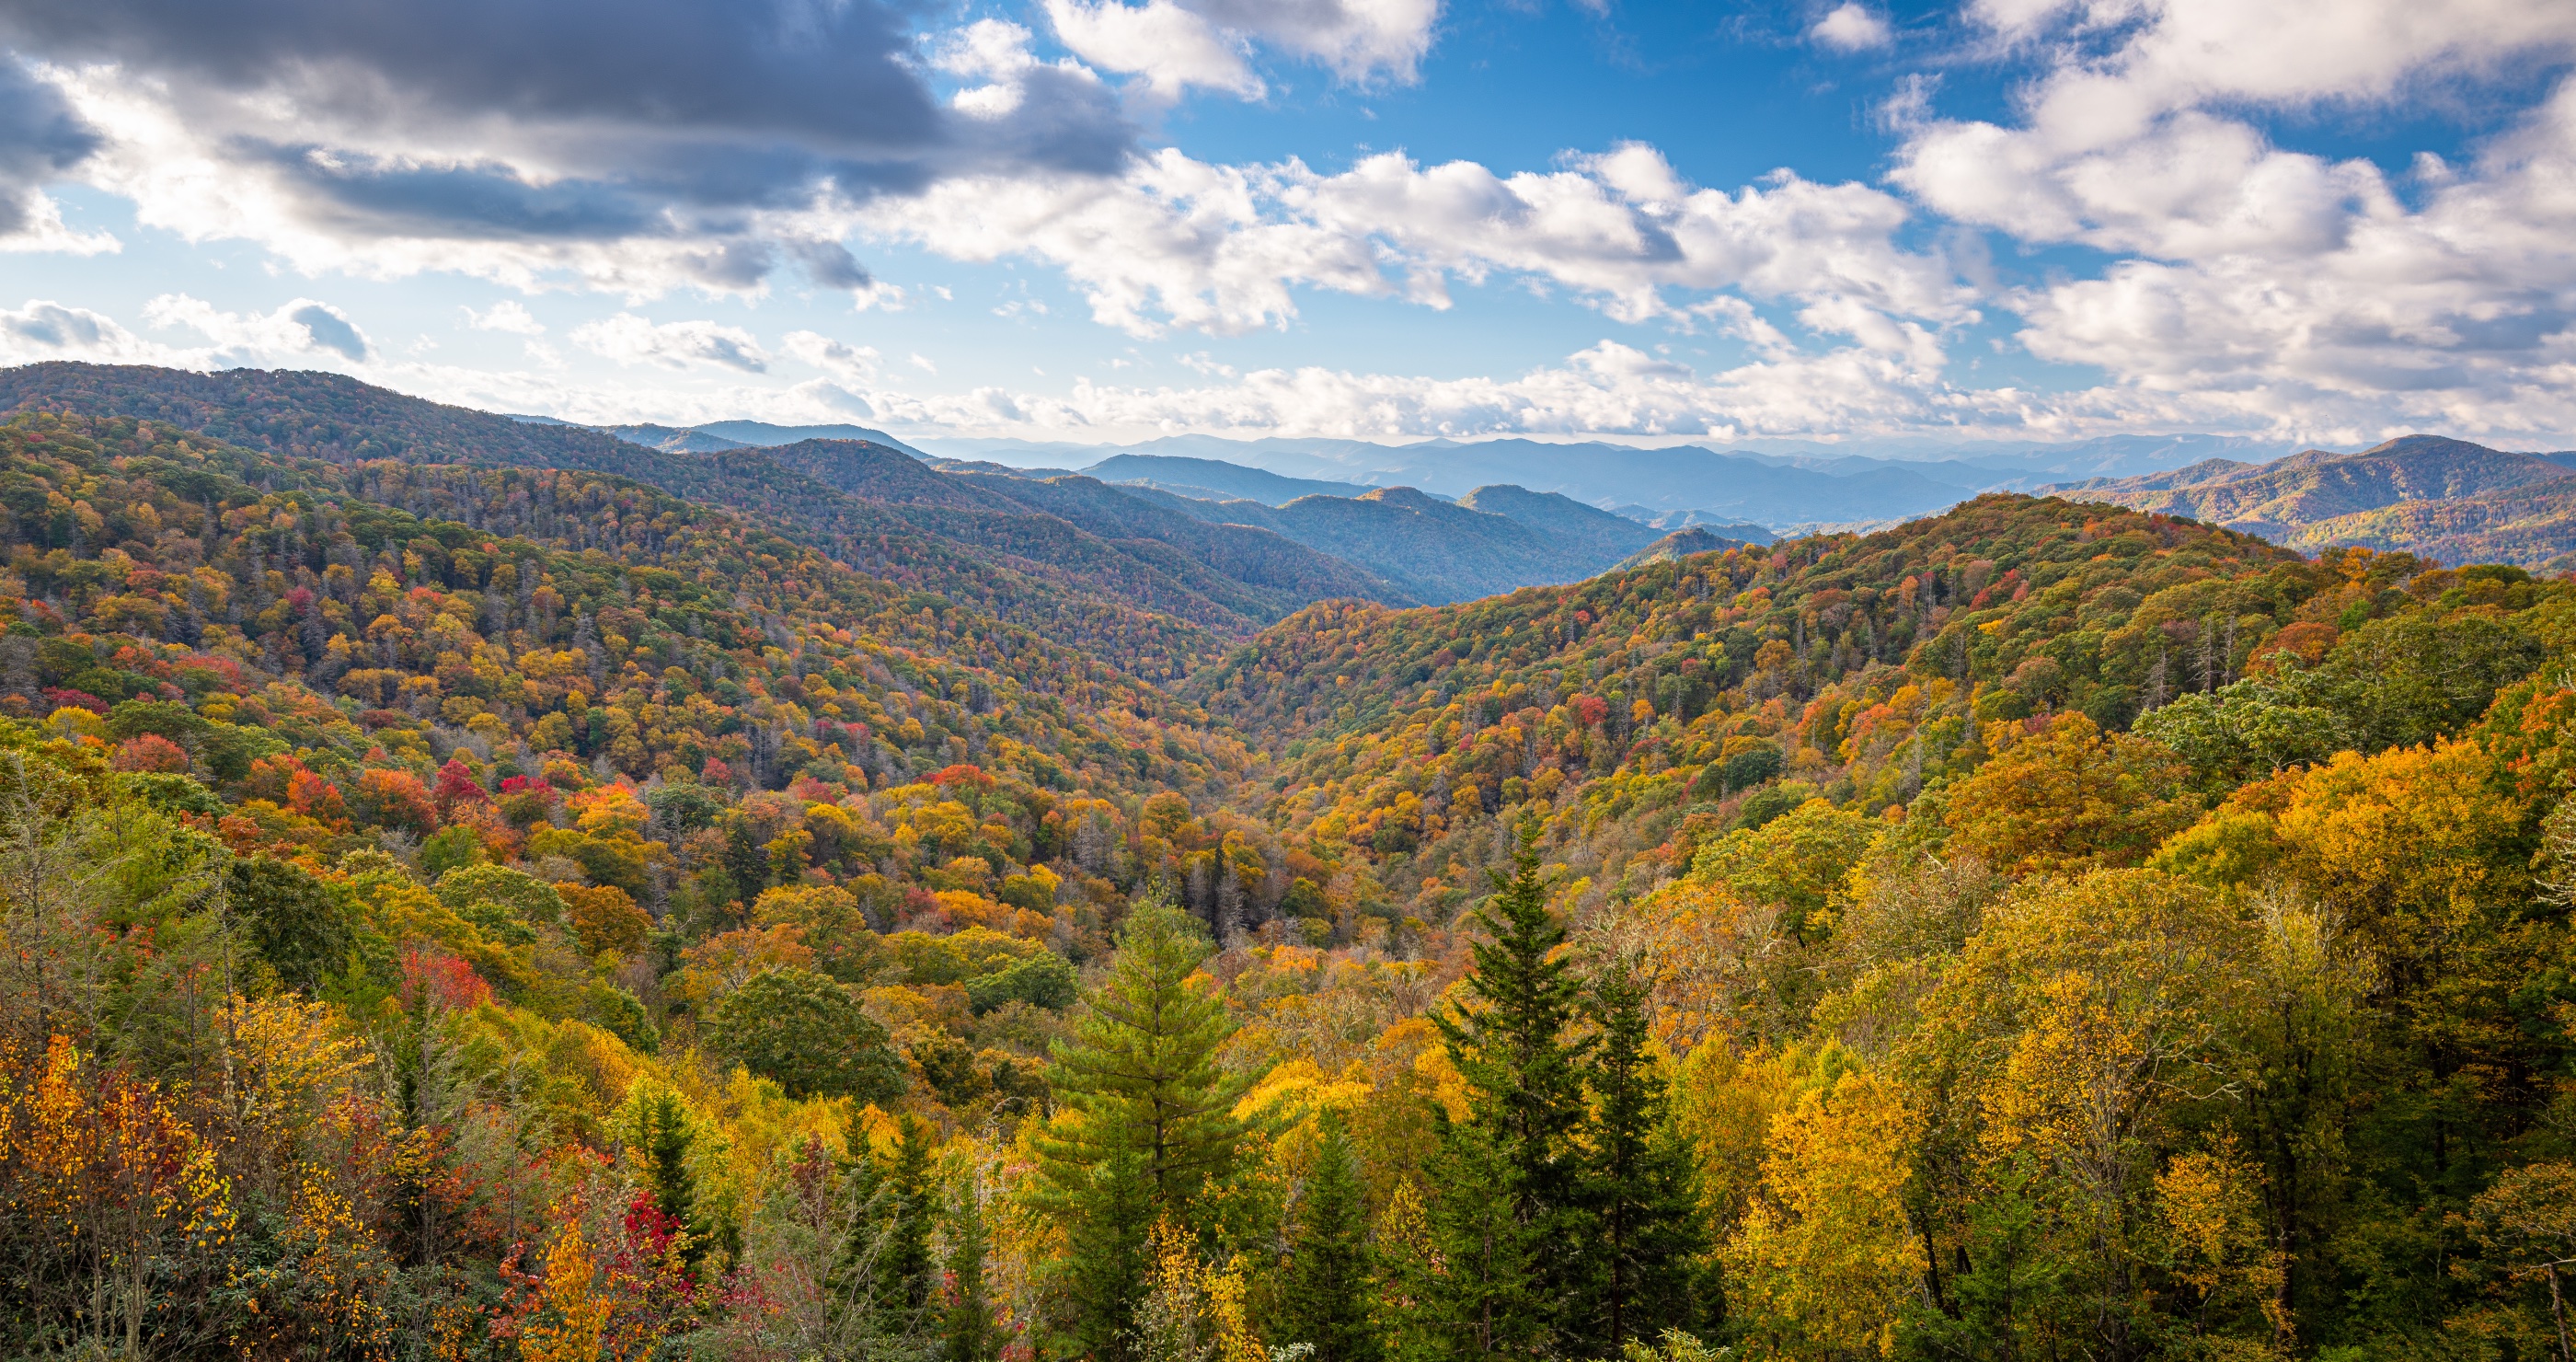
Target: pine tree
x=907, y=1273
x=969, y=1332
x=666, y=1140
x=1144, y=1122
x=1510, y=1176
x=1328, y=1288
x=1639, y=1180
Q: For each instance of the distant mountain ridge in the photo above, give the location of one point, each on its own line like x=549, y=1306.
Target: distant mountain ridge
x=1493, y=539
x=721, y=435
x=2446, y=499
x=1215, y=478
x=1771, y=483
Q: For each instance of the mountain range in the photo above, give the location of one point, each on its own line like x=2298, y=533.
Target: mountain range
x=1154, y=578
x=1775, y=484
x=2444, y=499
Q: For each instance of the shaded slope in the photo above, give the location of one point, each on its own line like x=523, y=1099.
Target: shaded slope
x=1214, y=476
x=1679, y=544
x=1575, y=526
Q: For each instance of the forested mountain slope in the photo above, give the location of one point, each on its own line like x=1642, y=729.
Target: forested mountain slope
x=2448, y=500
x=477, y=910
x=1156, y=612
x=1434, y=550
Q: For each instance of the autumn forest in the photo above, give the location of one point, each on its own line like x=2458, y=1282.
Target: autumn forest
x=454, y=907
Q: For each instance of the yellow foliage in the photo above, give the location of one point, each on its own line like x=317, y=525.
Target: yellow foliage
x=2069, y=798
x=1825, y=1259
x=575, y=1313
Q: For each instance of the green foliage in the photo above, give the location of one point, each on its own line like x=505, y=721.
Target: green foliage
x=1042, y=980
x=1640, y=1191
x=1326, y=1300
x=806, y=1032
x=295, y=923
x=1516, y=1161
x=1144, y=1120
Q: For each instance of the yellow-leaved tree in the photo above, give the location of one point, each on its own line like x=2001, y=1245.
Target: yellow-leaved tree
x=1825, y=1262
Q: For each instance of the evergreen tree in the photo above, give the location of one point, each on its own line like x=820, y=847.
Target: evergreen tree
x=1639, y=1193
x=1510, y=1177
x=907, y=1273
x=969, y=1332
x=1144, y=1121
x=1328, y=1289
x=667, y=1137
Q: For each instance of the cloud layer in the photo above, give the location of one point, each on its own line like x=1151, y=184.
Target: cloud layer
x=642, y=147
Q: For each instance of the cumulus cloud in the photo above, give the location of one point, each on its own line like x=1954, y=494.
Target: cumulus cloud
x=1851, y=27
x=299, y=328
x=629, y=339
x=42, y=138
x=626, y=144
x=508, y=315
x=44, y=330
x=843, y=361
x=1177, y=45
x=1183, y=243
x=2271, y=284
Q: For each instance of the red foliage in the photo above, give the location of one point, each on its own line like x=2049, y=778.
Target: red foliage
x=457, y=785
x=433, y=977
x=64, y=697
x=150, y=752
x=316, y=798
x=962, y=774
x=1591, y=710
x=397, y=799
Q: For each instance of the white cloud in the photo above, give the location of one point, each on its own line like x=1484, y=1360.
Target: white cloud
x=1177, y=45
x=44, y=330
x=303, y=327
x=1851, y=27
x=1173, y=49
x=1182, y=243
x=846, y=363
x=2263, y=285
x=508, y=315
x=629, y=339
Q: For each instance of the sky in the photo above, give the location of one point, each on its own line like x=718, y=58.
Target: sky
x=1103, y=221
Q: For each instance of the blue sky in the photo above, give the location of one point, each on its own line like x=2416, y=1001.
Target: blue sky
x=1102, y=220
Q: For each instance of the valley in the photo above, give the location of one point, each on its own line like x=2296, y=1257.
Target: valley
x=845, y=899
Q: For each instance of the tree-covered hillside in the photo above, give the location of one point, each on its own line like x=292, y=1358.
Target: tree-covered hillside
x=481, y=910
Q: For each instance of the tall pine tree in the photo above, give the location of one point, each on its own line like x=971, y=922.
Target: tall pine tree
x=1144, y=1122
x=1639, y=1193
x=1511, y=1175
x=907, y=1274
x=1327, y=1296
x=969, y=1333
x=666, y=1137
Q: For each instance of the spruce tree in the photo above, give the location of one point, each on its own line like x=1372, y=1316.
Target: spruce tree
x=969, y=1332
x=907, y=1273
x=1510, y=1176
x=1639, y=1190
x=1328, y=1289
x=666, y=1142
x=1144, y=1121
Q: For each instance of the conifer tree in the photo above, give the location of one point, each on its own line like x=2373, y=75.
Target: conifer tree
x=1144, y=1123
x=969, y=1332
x=1639, y=1190
x=907, y=1273
x=1328, y=1288
x=667, y=1138
x=1510, y=1176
